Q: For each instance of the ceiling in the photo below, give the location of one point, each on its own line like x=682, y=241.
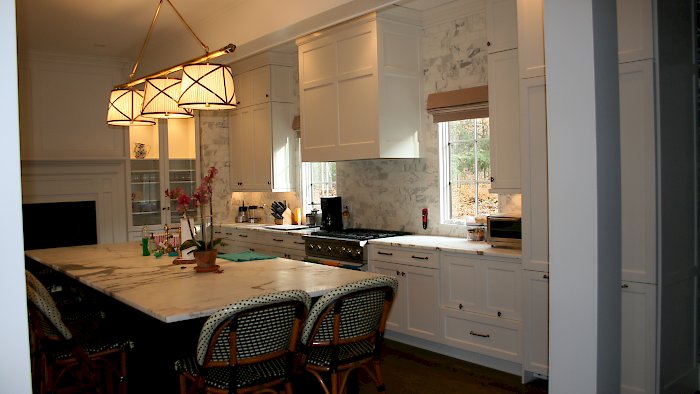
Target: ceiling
x=117, y=28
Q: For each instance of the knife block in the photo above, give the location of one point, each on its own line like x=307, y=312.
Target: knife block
x=287, y=216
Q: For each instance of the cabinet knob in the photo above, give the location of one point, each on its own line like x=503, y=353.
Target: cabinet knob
x=500, y=314
x=238, y=103
x=488, y=43
x=398, y=273
x=625, y=286
x=403, y=274
x=267, y=95
x=545, y=276
x=493, y=179
x=461, y=306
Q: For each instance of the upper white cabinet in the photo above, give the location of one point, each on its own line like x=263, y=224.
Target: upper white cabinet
x=262, y=144
x=264, y=84
x=535, y=202
x=504, y=121
x=531, y=38
x=360, y=90
x=262, y=148
x=634, y=30
x=501, y=25
x=637, y=169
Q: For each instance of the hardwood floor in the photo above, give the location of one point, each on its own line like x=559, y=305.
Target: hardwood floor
x=409, y=370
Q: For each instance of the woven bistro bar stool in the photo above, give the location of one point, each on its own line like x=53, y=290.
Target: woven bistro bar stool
x=345, y=330
x=67, y=363
x=248, y=346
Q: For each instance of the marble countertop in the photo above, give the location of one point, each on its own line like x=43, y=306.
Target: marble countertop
x=263, y=227
x=171, y=292
x=448, y=244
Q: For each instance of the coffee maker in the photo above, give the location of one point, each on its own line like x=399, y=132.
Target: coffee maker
x=331, y=214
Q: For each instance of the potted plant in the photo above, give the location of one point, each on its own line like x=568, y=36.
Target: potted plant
x=204, y=248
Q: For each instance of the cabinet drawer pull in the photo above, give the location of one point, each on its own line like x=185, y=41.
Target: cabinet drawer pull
x=277, y=240
x=299, y=243
x=625, y=286
x=545, y=276
x=385, y=253
x=479, y=252
x=476, y=334
x=398, y=273
x=419, y=257
x=242, y=235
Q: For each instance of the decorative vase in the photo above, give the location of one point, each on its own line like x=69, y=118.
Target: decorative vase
x=205, y=258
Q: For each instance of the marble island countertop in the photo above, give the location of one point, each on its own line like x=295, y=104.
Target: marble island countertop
x=171, y=292
x=448, y=244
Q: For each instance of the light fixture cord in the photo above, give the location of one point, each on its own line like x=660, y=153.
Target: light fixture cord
x=150, y=30
x=145, y=42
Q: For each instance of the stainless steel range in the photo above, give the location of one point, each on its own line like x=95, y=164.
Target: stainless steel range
x=344, y=248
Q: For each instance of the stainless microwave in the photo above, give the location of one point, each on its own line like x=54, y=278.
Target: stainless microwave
x=504, y=231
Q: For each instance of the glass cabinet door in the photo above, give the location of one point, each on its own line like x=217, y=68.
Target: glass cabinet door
x=163, y=156
x=145, y=192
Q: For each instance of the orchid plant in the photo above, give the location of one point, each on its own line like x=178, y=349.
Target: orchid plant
x=200, y=198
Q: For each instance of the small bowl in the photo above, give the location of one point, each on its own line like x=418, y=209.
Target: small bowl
x=476, y=232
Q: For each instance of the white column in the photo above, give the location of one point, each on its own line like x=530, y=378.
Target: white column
x=584, y=195
x=14, y=341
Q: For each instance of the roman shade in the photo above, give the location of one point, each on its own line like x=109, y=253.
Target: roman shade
x=468, y=103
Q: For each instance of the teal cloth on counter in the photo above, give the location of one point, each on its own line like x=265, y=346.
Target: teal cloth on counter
x=245, y=256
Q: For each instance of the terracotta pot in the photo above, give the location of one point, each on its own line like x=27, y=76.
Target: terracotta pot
x=205, y=258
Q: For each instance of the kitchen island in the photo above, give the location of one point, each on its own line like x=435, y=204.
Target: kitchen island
x=171, y=292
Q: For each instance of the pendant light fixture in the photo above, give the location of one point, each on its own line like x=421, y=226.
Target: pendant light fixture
x=208, y=86
x=125, y=108
x=160, y=99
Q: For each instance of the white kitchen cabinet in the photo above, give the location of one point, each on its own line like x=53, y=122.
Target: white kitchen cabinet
x=637, y=171
x=638, y=341
x=170, y=162
x=535, y=324
x=415, y=310
x=263, y=85
x=501, y=25
x=481, y=304
x=533, y=134
x=635, y=30
x=531, y=38
x=262, y=148
x=504, y=121
x=482, y=285
x=360, y=90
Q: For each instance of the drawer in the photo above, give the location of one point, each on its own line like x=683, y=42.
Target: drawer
x=415, y=257
x=282, y=241
x=493, y=337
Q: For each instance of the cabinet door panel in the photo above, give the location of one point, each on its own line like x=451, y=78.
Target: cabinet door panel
x=262, y=147
x=535, y=214
x=461, y=284
x=260, y=85
x=422, y=311
x=501, y=25
x=536, y=322
x=637, y=169
x=357, y=53
x=638, y=341
x=395, y=321
x=319, y=128
x=504, y=121
x=531, y=38
x=317, y=62
x=358, y=122
x=634, y=30
x=243, y=89
x=502, y=290
x=241, y=148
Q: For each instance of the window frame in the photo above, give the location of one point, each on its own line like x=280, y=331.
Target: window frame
x=307, y=185
x=445, y=172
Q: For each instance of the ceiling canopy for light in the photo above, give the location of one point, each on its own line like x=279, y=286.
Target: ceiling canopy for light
x=204, y=86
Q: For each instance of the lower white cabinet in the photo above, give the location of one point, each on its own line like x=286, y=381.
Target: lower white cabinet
x=638, y=341
x=415, y=310
x=275, y=244
x=535, y=323
x=481, y=307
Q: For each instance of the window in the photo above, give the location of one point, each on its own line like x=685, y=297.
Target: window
x=318, y=180
x=465, y=170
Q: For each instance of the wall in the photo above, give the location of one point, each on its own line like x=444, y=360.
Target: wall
x=390, y=194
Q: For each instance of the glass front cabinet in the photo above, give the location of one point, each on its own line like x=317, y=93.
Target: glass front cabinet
x=163, y=156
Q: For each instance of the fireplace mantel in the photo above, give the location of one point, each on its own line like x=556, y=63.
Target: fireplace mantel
x=99, y=180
